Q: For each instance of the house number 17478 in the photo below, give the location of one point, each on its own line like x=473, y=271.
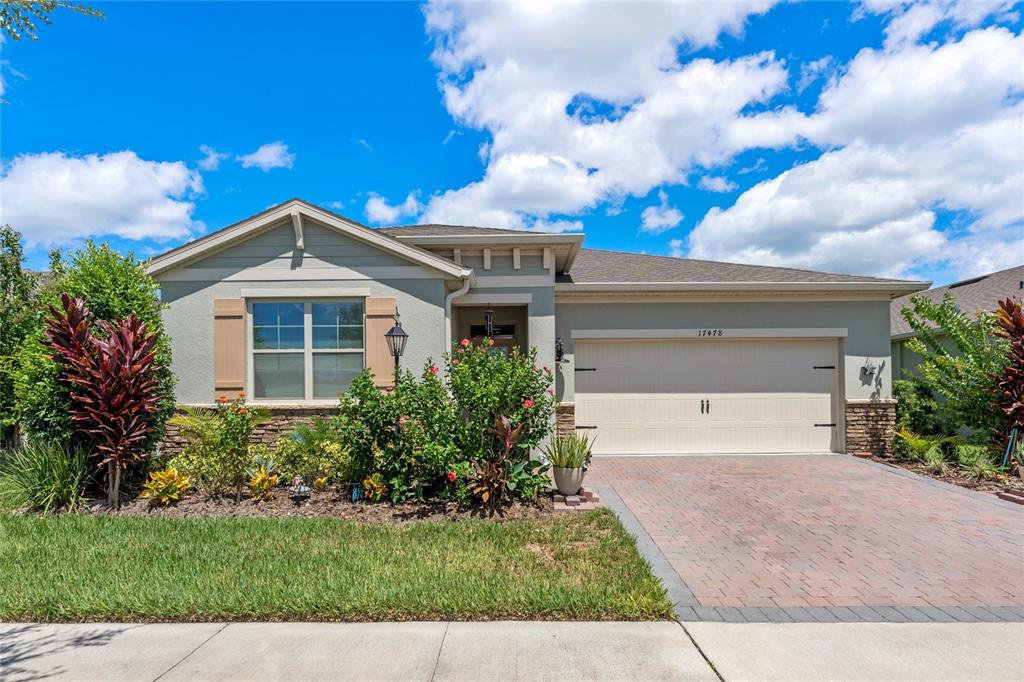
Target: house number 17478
x=709, y=332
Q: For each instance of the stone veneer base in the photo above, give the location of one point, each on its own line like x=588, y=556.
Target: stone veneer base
x=282, y=420
x=870, y=425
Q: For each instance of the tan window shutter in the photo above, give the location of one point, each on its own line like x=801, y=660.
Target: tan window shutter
x=380, y=317
x=228, y=345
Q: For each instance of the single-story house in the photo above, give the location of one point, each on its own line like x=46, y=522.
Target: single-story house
x=973, y=296
x=652, y=354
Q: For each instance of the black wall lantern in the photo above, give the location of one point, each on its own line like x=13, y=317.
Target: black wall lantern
x=559, y=350
x=397, y=338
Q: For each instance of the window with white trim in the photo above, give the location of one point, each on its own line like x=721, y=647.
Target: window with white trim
x=305, y=350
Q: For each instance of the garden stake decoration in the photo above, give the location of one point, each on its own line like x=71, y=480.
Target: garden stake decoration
x=112, y=381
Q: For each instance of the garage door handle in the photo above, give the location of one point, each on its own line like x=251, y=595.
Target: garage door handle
x=585, y=369
x=578, y=427
x=833, y=424
x=702, y=406
x=824, y=367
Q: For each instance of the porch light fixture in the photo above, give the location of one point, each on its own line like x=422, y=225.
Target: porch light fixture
x=397, y=338
x=559, y=350
x=489, y=324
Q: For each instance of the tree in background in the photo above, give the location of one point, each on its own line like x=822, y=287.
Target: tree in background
x=964, y=377
x=18, y=17
x=114, y=287
x=19, y=316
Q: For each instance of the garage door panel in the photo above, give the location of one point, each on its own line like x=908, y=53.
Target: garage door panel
x=761, y=395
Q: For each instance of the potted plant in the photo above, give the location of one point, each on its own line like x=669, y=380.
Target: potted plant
x=569, y=457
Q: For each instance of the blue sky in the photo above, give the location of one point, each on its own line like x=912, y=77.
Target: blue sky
x=867, y=138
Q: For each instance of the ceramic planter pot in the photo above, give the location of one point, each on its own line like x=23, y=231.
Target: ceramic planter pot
x=568, y=481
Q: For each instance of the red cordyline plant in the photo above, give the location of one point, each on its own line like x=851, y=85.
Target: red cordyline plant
x=1010, y=381
x=112, y=383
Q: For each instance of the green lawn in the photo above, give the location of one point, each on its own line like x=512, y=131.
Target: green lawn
x=82, y=568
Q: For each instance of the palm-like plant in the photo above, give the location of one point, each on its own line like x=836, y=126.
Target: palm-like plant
x=927, y=449
x=112, y=381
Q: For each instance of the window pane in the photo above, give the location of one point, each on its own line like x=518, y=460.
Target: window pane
x=333, y=372
x=279, y=375
x=290, y=314
x=291, y=337
x=264, y=314
x=264, y=337
x=339, y=312
x=350, y=337
x=325, y=337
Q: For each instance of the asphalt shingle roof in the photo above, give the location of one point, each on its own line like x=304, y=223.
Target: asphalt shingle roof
x=596, y=265
x=972, y=295
x=442, y=230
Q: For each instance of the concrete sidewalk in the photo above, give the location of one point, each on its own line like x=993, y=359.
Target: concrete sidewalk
x=511, y=651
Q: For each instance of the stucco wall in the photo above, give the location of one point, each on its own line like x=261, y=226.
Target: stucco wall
x=867, y=323
x=330, y=264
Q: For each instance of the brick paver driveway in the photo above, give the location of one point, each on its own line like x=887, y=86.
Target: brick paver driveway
x=826, y=534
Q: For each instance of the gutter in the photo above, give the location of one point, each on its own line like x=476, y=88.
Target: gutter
x=467, y=282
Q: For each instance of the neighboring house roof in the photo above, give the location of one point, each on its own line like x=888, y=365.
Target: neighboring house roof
x=971, y=295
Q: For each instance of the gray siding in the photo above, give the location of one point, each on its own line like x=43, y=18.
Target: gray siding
x=867, y=323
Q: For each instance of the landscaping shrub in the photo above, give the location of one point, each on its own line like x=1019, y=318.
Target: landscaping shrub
x=314, y=452
x=978, y=460
x=166, y=486
x=112, y=383
x=114, y=287
x=217, y=448
x=1009, y=389
x=964, y=377
x=44, y=476
x=263, y=479
x=442, y=435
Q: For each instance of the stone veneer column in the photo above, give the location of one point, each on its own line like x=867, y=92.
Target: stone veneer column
x=870, y=425
x=565, y=418
x=282, y=420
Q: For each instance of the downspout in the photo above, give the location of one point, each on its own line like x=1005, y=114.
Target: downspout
x=466, y=283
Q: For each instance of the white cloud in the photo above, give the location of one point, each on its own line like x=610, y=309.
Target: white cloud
x=379, y=211
x=911, y=131
x=676, y=248
x=661, y=217
x=909, y=20
x=508, y=69
x=812, y=71
x=211, y=161
x=268, y=156
x=363, y=143
x=54, y=198
x=710, y=183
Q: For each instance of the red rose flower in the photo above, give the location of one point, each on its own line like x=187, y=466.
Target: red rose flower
x=490, y=342
x=527, y=403
x=242, y=410
x=222, y=399
x=455, y=361
x=451, y=476
x=434, y=371
x=464, y=342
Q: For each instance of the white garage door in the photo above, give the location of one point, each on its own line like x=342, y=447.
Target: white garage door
x=709, y=396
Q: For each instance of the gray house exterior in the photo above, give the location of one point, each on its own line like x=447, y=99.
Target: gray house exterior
x=657, y=355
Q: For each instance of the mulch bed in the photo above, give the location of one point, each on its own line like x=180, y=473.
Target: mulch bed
x=957, y=476
x=333, y=504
